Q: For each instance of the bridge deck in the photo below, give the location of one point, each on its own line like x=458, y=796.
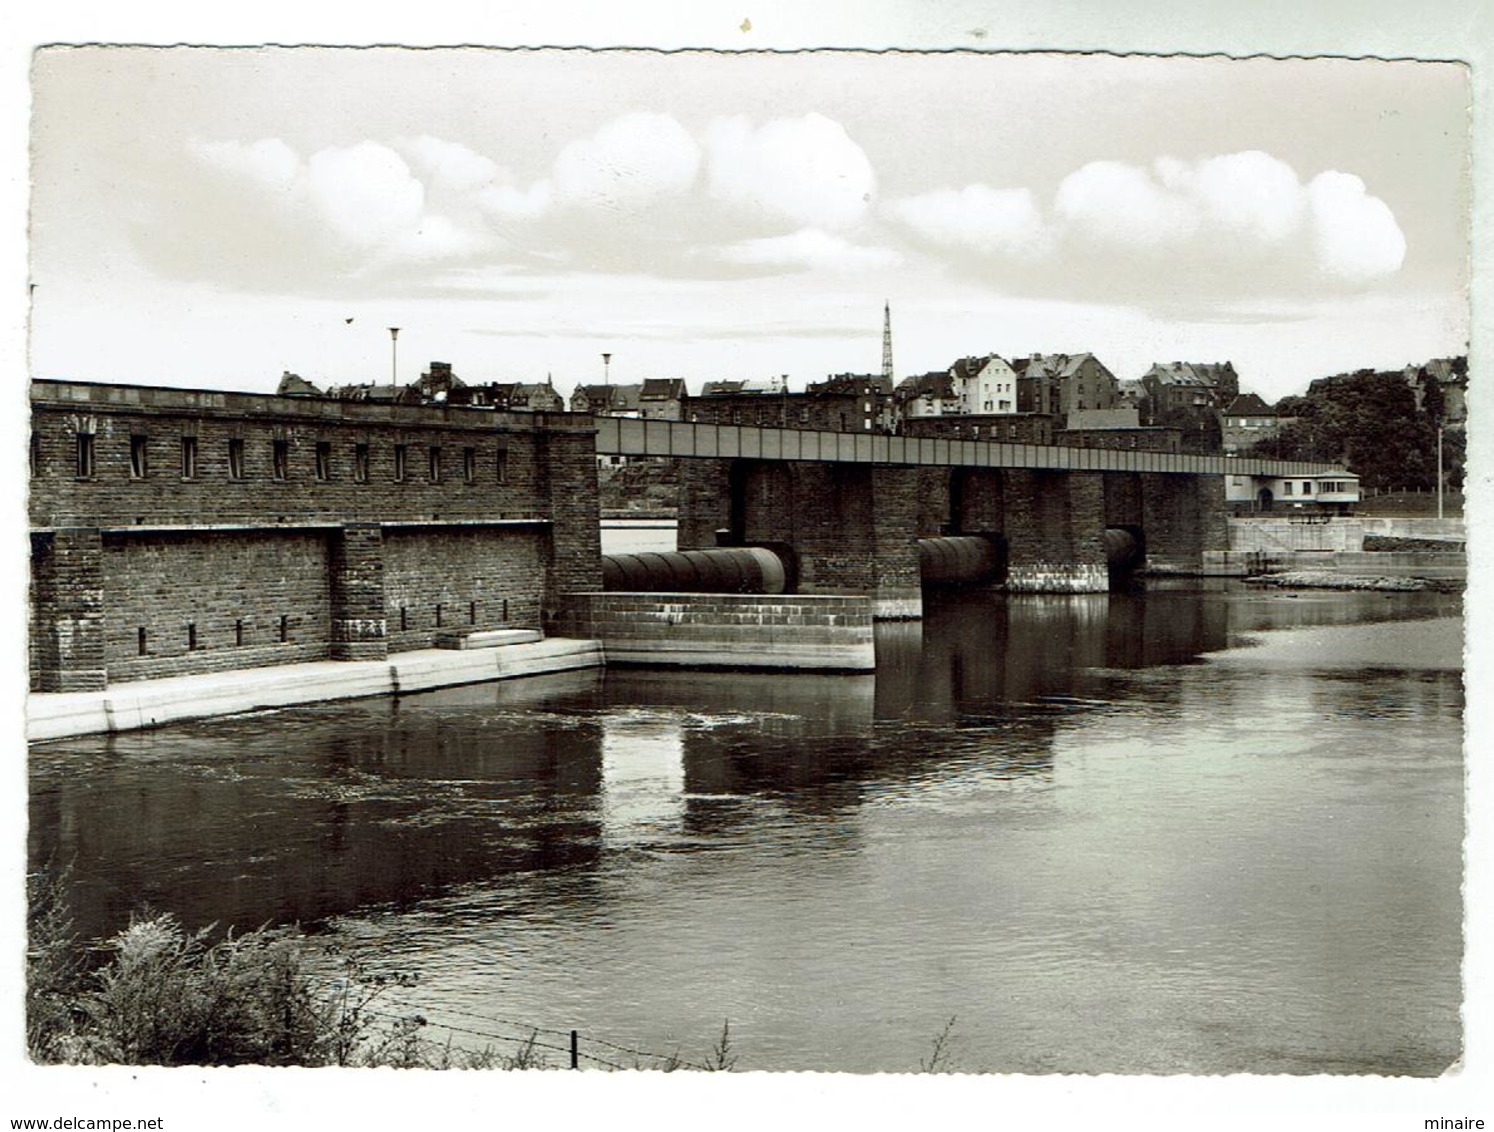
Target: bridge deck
x=625, y=436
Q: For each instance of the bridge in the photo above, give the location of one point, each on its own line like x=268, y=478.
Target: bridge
x=849, y=509
x=179, y=532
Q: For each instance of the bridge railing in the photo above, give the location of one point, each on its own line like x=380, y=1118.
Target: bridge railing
x=626, y=436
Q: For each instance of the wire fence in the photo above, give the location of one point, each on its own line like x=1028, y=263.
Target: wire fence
x=526, y=1039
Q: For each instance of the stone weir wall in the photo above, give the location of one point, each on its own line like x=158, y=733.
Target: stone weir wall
x=176, y=532
x=747, y=631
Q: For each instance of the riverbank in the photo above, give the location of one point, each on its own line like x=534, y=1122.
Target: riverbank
x=150, y=703
x=1329, y=580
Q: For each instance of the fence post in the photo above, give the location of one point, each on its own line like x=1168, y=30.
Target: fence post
x=575, y=1050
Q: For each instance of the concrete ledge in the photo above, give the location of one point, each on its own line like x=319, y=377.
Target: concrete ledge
x=149, y=703
x=487, y=638
x=804, y=632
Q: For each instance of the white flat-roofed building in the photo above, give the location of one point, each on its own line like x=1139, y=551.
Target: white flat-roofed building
x=1332, y=492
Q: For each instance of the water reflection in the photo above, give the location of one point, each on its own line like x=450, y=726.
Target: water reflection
x=1051, y=816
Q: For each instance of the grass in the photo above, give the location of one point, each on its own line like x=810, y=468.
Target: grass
x=158, y=993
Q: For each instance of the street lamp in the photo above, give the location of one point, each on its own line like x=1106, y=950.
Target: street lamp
x=394, y=355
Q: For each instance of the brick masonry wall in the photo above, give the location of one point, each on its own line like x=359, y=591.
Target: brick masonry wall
x=1183, y=516
x=68, y=594
x=114, y=496
x=1016, y=428
x=726, y=630
x=705, y=502
x=573, y=554
x=982, y=502
x=263, y=538
x=223, y=583
x=1055, y=524
x=360, y=623
x=934, y=516
x=459, y=569
x=1122, y=499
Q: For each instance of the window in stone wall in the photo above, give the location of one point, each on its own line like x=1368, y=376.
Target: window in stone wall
x=236, y=458
x=323, y=460
x=502, y=465
x=238, y=632
x=139, y=457
x=36, y=454
x=401, y=451
x=84, y=455
x=435, y=464
x=142, y=645
x=438, y=615
x=284, y=628
x=191, y=636
x=472, y=613
x=281, y=454
x=189, y=457
x=469, y=464
x=360, y=463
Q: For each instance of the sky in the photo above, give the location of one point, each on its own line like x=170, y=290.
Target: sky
x=212, y=218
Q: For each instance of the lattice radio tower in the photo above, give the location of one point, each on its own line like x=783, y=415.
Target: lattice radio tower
x=887, y=340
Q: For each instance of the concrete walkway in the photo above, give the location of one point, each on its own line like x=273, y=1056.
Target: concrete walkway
x=147, y=703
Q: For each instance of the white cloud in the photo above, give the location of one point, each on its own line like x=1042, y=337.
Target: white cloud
x=631, y=161
x=1112, y=202
x=1174, y=231
x=1355, y=235
x=365, y=192
x=806, y=171
x=979, y=217
x=512, y=203
x=449, y=164
x=435, y=238
x=808, y=248
x=268, y=163
x=1251, y=194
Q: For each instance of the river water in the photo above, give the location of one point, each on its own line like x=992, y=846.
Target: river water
x=1197, y=828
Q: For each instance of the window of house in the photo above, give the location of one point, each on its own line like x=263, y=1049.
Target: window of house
x=142, y=642
x=281, y=456
x=236, y=458
x=804, y=414
x=284, y=627
x=360, y=463
x=1286, y=487
x=435, y=464
x=1307, y=487
x=191, y=636
x=323, y=460
x=401, y=451
x=469, y=464
x=83, y=452
x=502, y=465
x=139, y=457
x=189, y=457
